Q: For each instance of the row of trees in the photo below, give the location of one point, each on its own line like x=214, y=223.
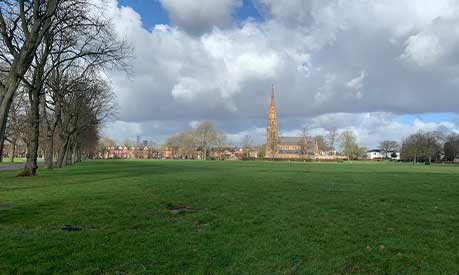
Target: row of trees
x=53, y=93
x=430, y=146
x=202, y=138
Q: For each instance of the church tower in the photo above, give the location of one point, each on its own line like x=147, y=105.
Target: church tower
x=272, y=129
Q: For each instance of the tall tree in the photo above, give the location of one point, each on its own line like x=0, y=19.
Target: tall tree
x=320, y=143
x=350, y=147
x=23, y=25
x=303, y=143
x=82, y=42
x=187, y=144
x=422, y=146
x=247, y=145
x=451, y=147
x=332, y=136
x=206, y=137
x=16, y=131
x=388, y=146
x=89, y=104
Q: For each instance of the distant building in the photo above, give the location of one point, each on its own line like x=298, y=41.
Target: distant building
x=134, y=152
x=291, y=147
x=378, y=154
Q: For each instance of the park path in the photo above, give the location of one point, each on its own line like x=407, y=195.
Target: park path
x=12, y=166
x=15, y=166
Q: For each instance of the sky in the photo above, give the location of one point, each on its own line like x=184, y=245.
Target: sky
x=384, y=68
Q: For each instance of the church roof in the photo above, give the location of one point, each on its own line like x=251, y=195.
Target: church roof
x=289, y=140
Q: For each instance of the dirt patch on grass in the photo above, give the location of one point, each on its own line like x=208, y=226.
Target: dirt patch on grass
x=177, y=209
x=71, y=228
x=6, y=206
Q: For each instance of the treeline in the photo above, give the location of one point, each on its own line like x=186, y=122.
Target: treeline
x=430, y=146
x=202, y=138
x=53, y=93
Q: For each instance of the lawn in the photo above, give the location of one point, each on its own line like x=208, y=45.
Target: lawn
x=199, y=217
x=7, y=161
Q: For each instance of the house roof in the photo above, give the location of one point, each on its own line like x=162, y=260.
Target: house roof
x=290, y=140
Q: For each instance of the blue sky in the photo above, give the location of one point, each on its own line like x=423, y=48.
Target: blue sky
x=152, y=12
x=428, y=117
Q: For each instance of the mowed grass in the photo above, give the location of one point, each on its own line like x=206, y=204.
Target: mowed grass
x=7, y=161
x=243, y=218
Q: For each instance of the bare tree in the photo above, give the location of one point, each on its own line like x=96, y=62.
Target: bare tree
x=104, y=144
x=320, y=143
x=82, y=43
x=172, y=143
x=304, y=143
x=422, y=146
x=88, y=105
x=247, y=145
x=206, y=137
x=261, y=151
x=187, y=144
x=388, y=146
x=350, y=147
x=332, y=136
x=16, y=130
x=221, y=142
x=23, y=25
x=451, y=147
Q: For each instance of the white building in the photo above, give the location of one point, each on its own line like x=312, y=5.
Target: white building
x=376, y=154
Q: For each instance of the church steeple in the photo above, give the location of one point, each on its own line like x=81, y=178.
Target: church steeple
x=272, y=106
x=272, y=129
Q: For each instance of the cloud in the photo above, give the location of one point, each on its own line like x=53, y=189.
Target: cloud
x=395, y=57
x=436, y=45
x=200, y=16
x=356, y=84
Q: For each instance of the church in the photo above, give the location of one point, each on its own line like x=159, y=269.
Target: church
x=283, y=147
x=304, y=147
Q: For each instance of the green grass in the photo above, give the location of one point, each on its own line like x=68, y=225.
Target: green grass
x=248, y=218
x=7, y=161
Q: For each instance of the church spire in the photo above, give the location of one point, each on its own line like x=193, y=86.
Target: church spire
x=272, y=106
x=272, y=129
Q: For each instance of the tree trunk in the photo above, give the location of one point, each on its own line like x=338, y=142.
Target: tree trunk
x=49, y=150
x=21, y=64
x=17, y=71
x=1, y=149
x=13, y=150
x=50, y=130
x=5, y=104
x=79, y=154
x=61, y=154
x=74, y=154
x=32, y=151
x=69, y=153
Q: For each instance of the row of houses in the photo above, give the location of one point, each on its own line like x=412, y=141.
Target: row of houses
x=150, y=152
x=226, y=153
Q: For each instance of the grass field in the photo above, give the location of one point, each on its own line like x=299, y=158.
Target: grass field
x=7, y=161
x=197, y=217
